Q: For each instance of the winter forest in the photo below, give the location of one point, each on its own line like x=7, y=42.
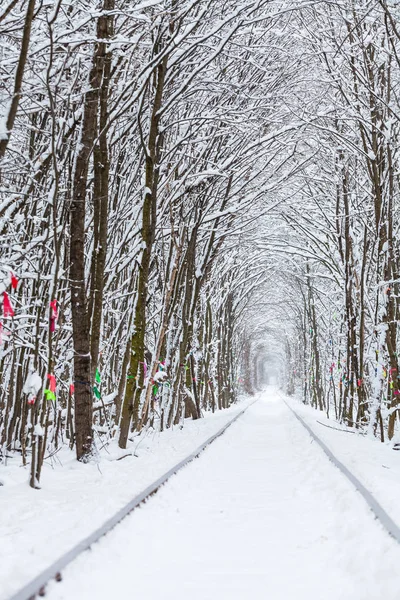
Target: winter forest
x=188, y=188
x=197, y=198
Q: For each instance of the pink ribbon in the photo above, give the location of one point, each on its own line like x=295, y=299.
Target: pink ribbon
x=53, y=315
x=52, y=383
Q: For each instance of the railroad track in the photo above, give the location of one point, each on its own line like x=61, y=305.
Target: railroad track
x=37, y=586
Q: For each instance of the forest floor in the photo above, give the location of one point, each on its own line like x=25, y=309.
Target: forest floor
x=262, y=514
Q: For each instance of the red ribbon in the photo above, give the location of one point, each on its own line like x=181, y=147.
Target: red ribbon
x=14, y=281
x=53, y=315
x=54, y=311
x=52, y=383
x=8, y=310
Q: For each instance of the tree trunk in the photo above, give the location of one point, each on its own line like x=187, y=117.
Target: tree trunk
x=80, y=315
x=135, y=383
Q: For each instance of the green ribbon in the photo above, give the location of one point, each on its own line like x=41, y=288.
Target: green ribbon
x=96, y=387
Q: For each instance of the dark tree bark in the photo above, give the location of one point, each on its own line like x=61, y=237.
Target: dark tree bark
x=80, y=313
x=100, y=201
x=135, y=382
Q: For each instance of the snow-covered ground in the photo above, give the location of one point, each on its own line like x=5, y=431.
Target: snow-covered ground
x=37, y=527
x=262, y=514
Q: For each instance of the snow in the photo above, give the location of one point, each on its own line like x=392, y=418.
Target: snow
x=159, y=376
x=4, y=133
x=261, y=514
x=33, y=383
x=38, y=430
x=38, y=526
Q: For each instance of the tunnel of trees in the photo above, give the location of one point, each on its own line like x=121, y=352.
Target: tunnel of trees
x=193, y=193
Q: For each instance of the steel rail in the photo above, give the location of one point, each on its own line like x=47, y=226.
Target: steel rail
x=380, y=514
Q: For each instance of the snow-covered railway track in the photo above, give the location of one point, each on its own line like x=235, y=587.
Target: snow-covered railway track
x=268, y=440
x=263, y=502
x=380, y=514
x=37, y=586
